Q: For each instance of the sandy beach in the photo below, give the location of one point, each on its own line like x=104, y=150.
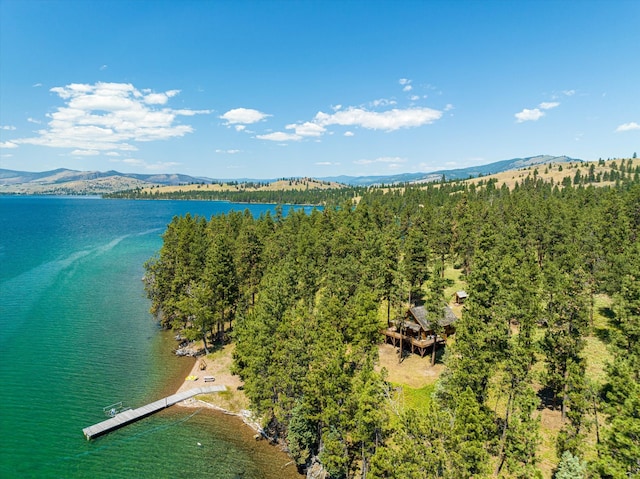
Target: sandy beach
x=218, y=365
x=231, y=401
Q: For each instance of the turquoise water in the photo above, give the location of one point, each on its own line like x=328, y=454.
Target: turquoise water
x=76, y=335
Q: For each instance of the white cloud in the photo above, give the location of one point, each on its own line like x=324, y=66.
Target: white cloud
x=8, y=144
x=448, y=107
x=569, y=92
x=33, y=120
x=535, y=114
x=112, y=153
x=547, y=105
x=7, y=127
x=388, y=120
x=108, y=116
x=160, y=98
x=349, y=133
x=243, y=115
x=36, y=85
x=382, y=102
x=406, y=84
x=228, y=152
x=187, y=112
x=628, y=126
x=280, y=136
x=336, y=107
x=240, y=127
x=103, y=68
x=302, y=130
x=307, y=129
x=326, y=163
x=529, y=115
x=85, y=152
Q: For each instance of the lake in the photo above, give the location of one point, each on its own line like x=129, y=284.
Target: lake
x=76, y=335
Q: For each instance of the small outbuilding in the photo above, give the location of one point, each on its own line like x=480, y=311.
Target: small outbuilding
x=460, y=297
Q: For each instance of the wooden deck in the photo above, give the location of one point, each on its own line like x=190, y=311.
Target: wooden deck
x=132, y=415
x=420, y=344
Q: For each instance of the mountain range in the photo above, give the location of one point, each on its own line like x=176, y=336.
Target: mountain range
x=65, y=181
x=454, y=174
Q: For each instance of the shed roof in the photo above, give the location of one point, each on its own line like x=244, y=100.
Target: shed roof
x=462, y=294
x=421, y=316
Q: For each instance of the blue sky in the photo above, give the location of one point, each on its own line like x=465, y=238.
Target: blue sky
x=268, y=89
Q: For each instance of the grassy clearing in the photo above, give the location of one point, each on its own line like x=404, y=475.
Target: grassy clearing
x=596, y=351
x=418, y=398
x=456, y=283
x=414, y=372
x=232, y=401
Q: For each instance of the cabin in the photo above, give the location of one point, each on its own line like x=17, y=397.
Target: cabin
x=460, y=297
x=416, y=329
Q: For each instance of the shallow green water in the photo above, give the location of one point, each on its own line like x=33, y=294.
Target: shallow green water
x=76, y=335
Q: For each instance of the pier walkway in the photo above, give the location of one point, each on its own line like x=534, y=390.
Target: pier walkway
x=131, y=415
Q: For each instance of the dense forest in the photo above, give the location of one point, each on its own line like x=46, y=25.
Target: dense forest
x=304, y=297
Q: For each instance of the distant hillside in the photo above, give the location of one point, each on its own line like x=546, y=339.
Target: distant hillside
x=62, y=175
x=596, y=173
x=457, y=174
x=70, y=182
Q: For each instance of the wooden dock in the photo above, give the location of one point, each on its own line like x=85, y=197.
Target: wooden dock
x=131, y=415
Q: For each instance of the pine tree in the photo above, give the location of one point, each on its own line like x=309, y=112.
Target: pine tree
x=196, y=307
x=415, y=261
x=570, y=467
x=620, y=449
x=369, y=420
x=421, y=446
x=471, y=431
x=221, y=278
x=249, y=263
x=482, y=332
x=435, y=304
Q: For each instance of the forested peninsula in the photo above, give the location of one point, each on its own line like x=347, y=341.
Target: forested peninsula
x=550, y=330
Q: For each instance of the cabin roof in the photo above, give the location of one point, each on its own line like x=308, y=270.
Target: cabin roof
x=462, y=294
x=421, y=316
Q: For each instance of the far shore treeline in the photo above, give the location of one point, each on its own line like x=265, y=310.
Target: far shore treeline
x=291, y=197
x=304, y=297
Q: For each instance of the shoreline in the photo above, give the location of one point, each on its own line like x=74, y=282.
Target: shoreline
x=217, y=364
